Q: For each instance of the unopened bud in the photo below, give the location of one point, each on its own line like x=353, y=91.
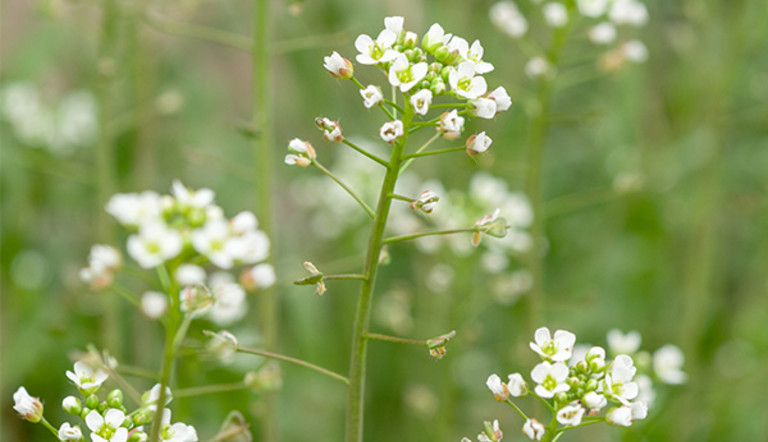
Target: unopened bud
x=72, y=405
x=196, y=300
x=115, y=398
x=426, y=202
x=92, y=401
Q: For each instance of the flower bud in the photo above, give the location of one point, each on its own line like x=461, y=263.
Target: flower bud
x=115, y=398
x=426, y=202
x=411, y=40
x=142, y=417
x=516, y=385
x=478, y=143
x=72, y=405
x=85, y=412
x=28, y=407
x=338, y=66
x=561, y=397
x=138, y=436
x=269, y=378
x=331, y=130
x=196, y=300
x=436, y=345
x=92, y=401
x=498, y=388
x=258, y=277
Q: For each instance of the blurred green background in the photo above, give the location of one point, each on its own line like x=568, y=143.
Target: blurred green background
x=679, y=255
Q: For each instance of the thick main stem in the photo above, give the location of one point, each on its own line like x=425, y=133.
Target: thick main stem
x=262, y=145
x=537, y=140
x=356, y=392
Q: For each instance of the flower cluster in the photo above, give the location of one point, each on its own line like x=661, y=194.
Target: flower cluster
x=105, y=416
x=442, y=65
x=578, y=383
x=609, y=20
x=58, y=127
x=183, y=233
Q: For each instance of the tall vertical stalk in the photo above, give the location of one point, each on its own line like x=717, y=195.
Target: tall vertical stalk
x=262, y=146
x=537, y=140
x=105, y=159
x=357, y=368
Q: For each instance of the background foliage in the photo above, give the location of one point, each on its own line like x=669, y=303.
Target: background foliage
x=681, y=258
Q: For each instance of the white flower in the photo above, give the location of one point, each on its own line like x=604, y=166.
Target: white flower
x=592, y=8
x=533, y=429
x=405, y=75
x=154, y=304
x=198, y=199
x=551, y=378
x=619, y=342
x=537, y=67
x=107, y=428
x=484, y=108
x=498, y=388
x=450, y=124
x=28, y=407
x=258, y=277
x=394, y=24
x=303, y=153
x=602, y=34
x=190, y=274
x=594, y=401
x=421, y=101
x=153, y=395
x=505, y=16
x=87, y=379
x=635, y=51
x=558, y=349
x=473, y=54
x=68, y=432
x=646, y=395
x=464, y=82
x=622, y=391
x=435, y=38
x=229, y=305
x=338, y=66
x=376, y=51
x=135, y=209
x=154, y=244
x=372, y=96
x=331, y=129
x=103, y=261
x=628, y=12
x=667, y=364
x=619, y=416
x=622, y=368
x=243, y=223
x=639, y=410
x=556, y=14
x=478, y=143
x=571, y=414
x=391, y=130
x=500, y=96
x=177, y=432
x=516, y=385
x=214, y=242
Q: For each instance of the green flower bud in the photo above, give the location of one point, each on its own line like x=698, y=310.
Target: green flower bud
x=115, y=398
x=85, y=412
x=72, y=405
x=442, y=54
x=92, y=401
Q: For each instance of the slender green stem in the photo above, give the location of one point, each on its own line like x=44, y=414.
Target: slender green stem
x=423, y=234
x=344, y=276
x=169, y=354
x=351, y=192
x=126, y=294
x=199, y=32
x=401, y=197
x=138, y=372
x=394, y=105
x=306, y=364
x=545, y=402
x=435, y=152
x=420, y=149
x=208, y=389
x=357, y=82
x=357, y=366
x=537, y=139
x=50, y=427
x=441, y=105
x=380, y=337
x=125, y=385
x=263, y=146
x=365, y=152
x=519, y=411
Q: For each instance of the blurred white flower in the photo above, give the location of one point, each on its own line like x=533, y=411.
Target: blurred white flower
x=602, y=34
x=229, y=305
x=394, y=24
x=619, y=416
x=620, y=343
x=135, y=209
x=186, y=197
x=190, y=274
x=635, y=51
x=592, y=8
x=668, y=363
x=556, y=14
x=154, y=244
x=154, y=304
x=258, y=277
x=628, y=12
x=507, y=17
x=537, y=68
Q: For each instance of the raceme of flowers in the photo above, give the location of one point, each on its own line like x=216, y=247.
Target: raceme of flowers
x=577, y=383
x=104, y=417
x=187, y=235
x=609, y=22
x=442, y=65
